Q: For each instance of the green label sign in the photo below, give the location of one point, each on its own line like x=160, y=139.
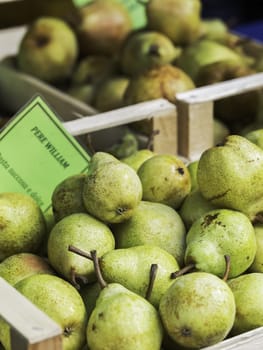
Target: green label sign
x=37, y=152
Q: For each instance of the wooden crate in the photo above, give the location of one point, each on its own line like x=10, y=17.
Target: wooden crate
x=191, y=124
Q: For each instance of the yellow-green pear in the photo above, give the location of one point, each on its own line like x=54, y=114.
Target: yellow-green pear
x=131, y=267
x=112, y=189
x=204, y=52
x=180, y=20
x=61, y=302
x=192, y=168
x=123, y=320
x=255, y=136
x=84, y=232
x=48, y=50
x=21, y=265
x=146, y=49
x=67, y=198
x=198, y=310
x=230, y=175
x=159, y=82
x=109, y=95
x=165, y=179
x=153, y=224
x=214, y=29
x=248, y=293
x=193, y=207
x=218, y=234
x=22, y=224
x=136, y=159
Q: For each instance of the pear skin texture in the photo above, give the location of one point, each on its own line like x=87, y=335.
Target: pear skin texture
x=198, y=310
x=248, y=293
x=123, y=320
x=84, y=232
x=165, y=179
x=111, y=190
x=230, y=175
x=67, y=197
x=48, y=50
x=61, y=302
x=131, y=268
x=21, y=265
x=179, y=20
x=218, y=233
x=153, y=224
x=22, y=224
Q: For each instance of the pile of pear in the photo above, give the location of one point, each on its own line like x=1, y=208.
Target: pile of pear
x=146, y=251
x=99, y=57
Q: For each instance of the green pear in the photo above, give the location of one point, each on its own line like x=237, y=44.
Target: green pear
x=153, y=224
x=123, y=320
x=205, y=52
x=217, y=234
x=109, y=95
x=66, y=197
x=255, y=136
x=179, y=20
x=126, y=146
x=136, y=159
x=165, y=179
x=21, y=265
x=112, y=189
x=159, y=82
x=214, y=29
x=221, y=131
x=248, y=293
x=83, y=92
x=61, y=302
x=257, y=265
x=103, y=26
x=48, y=50
x=92, y=70
x=198, y=310
x=145, y=50
x=22, y=224
x=193, y=207
x=131, y=267
x=192, y=169
x=226, y=179
x=85, y=232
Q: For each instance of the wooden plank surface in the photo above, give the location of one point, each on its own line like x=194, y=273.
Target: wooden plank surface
x=252, y=340
x=31, y=328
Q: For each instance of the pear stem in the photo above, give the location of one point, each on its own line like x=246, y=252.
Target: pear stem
x=80, y=252
x=97, y=269
x=226, y=274
x=182, y=271
x=153, y=272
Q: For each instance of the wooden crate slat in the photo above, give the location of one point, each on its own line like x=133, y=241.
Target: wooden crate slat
x=222, y=89
x=33, y=325
x=145, y=110
x=252, y=340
